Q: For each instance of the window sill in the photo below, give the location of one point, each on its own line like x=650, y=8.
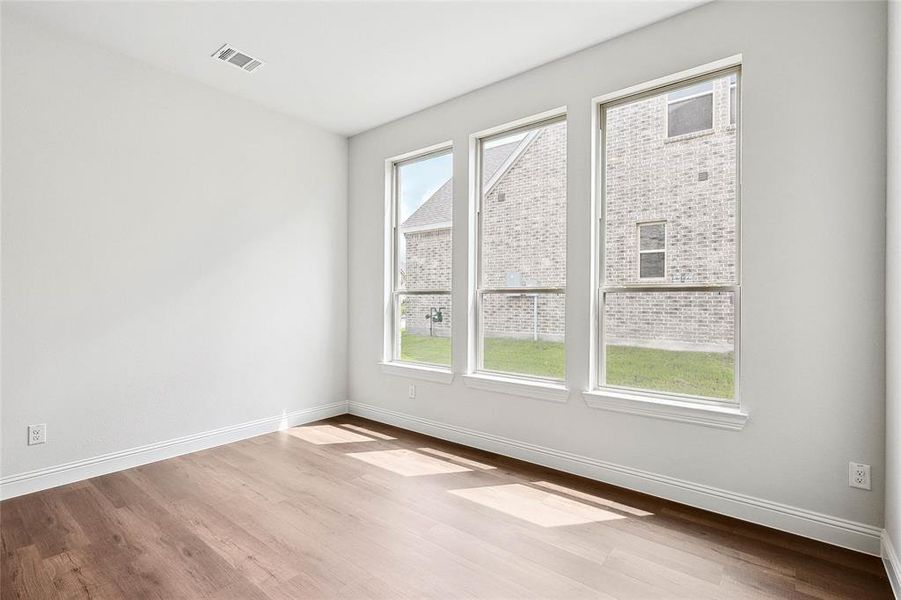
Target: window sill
x=413, y=371
x=553, y=392
x=664, y=408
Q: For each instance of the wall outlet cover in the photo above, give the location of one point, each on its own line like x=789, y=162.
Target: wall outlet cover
x=37, y=434
x=859, y=476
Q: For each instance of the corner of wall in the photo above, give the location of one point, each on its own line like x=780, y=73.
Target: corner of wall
x=892, y=564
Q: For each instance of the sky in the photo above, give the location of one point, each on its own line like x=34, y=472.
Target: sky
x=419, y=180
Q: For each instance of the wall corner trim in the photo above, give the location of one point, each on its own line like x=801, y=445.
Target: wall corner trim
x=826, y=528
x=53, y=476
x=892, y=563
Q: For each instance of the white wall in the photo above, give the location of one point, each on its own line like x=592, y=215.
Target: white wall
x=174, y=259
x=893, y=286
x=813, y=374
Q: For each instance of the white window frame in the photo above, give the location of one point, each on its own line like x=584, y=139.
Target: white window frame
x=725, y=414
x=733, y=102
x=391, y=361
x=476, y=375
x=662, y=251
x=689, y=134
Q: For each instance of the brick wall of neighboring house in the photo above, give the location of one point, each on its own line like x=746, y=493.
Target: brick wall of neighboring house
x=415, y=308
x=524, y=316
x=651, y=178
x=428, y=267
x=524, y=241
x=688, y=182
x=672, y=321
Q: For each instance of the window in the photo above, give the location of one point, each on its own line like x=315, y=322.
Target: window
x=651, y=250
x=669, y=292
x=420, y=210
x=520, y=246
x=689, y=109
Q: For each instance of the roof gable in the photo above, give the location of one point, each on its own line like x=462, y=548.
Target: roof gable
x=438, y=209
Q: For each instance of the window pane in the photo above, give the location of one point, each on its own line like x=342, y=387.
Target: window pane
x=690, y=115
x=425, y=210
x=523, y=222
x=424, y=329
x=652, y=236
x=653, y=265
x=522, y=334
x=675, y=342
x=690, y=90
x=690, y=184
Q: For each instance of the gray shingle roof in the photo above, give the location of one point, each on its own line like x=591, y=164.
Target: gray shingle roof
x=439, y=207
x=494, y=158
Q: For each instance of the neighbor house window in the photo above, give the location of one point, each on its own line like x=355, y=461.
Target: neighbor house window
x=420, y=208
x=669, y=293
x=651, y=250
x=520, y=246
x=689, y=109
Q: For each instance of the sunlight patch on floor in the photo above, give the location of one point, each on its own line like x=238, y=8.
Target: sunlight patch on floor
x=535, y=506
x=457, y=459
x=595, y=499
x=374, y=434
x=327, y=434
x=407, y=462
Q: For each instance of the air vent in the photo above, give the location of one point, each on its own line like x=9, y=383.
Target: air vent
x=235, y=57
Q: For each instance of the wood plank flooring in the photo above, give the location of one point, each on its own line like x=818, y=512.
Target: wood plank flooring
x=311, y=514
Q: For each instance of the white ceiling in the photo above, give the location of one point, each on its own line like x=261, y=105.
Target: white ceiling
x=350, y=66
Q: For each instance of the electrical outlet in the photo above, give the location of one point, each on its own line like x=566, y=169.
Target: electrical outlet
x=37, y=434
x=412, y=391
x=859, y=476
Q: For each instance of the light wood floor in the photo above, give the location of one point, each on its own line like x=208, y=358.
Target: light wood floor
x=339, y=512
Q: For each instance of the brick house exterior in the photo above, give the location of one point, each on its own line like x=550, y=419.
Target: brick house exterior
x=686, y=182
x=524, y=238
x=532, y=252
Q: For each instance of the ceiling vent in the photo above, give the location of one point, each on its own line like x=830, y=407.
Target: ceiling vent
x=230, y=54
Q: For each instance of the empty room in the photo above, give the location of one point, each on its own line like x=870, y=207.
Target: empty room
x=450, y=299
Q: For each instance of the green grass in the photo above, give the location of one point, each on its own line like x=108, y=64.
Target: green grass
x=425, y=349
x=707, y=374
x=543, y=359
x=525, y=357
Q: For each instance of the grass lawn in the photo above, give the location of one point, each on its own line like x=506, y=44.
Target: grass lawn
x=425, y=349
x=683, y=372
x=695, y=373
x=544, y=359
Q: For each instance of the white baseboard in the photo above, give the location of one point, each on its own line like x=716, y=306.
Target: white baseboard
x=892, y=564
x=810, y=524
x=48, y=477
x=826, y=528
